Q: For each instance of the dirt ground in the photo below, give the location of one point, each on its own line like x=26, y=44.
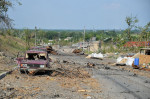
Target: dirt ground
x=43, y=86
x=77, y=83
x=75, y=77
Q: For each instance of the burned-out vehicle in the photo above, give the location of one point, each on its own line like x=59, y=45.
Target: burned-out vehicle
x=40, y=48
x=48, y=49
x=34, y=60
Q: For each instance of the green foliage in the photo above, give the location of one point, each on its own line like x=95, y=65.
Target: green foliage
x=145, y=32
x=27, y=38
x=131, y=21
x=5, y=21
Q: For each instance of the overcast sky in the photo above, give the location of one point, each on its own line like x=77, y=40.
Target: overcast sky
x=75, y=14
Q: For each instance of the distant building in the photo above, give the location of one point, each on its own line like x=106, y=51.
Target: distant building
x=83, y=45
x=93, y=39
x=50, y=40
x=137, y=44
x=75, y=45
x=68, y=38
x=95, y=46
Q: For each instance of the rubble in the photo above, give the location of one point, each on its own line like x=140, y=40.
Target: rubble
x=123, y=61
x=51, y=50
x=77, y=51
x=68, y=71
x=64, y=80
x=96, y=56
x=90, y=65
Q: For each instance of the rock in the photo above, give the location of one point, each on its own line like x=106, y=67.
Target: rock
x=2, y=54
x=107, y=67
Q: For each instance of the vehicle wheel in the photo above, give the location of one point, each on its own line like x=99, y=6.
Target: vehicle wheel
x=22, y=71
x=48, y=72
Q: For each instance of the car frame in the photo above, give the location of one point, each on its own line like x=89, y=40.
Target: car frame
x=31, y=64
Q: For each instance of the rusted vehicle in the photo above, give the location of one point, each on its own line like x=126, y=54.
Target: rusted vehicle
x=34, y=61
x=48, y=49
x=40, y=48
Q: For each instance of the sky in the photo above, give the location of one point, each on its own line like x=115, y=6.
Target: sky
x=77, y=14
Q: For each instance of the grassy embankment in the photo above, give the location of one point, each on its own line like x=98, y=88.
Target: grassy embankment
x=11, y=45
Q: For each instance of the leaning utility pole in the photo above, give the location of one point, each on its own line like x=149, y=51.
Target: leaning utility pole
x=35, y=34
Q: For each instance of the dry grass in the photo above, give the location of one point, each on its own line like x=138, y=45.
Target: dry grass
x=11, y=45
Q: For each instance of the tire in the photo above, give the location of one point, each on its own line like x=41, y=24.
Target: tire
x=22, y=71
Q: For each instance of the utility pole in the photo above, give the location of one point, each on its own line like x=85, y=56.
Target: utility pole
x=35, y=34
x=58, y=40
x=83, y=38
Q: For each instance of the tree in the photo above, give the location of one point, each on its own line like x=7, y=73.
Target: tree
x=5, y=21
x=27, y=38
x=145, y=32
x=131, y=21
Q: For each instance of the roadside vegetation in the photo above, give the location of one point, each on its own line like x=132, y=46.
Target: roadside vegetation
x=112, y=40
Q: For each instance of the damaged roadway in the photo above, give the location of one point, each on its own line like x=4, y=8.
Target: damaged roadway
x=115, y=82
x=105, y=82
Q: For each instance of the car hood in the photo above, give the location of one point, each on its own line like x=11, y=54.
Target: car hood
x=34, y=61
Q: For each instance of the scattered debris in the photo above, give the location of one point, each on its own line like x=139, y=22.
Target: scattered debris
x=84, y=90
x=64, y=61
x=51, y=50
x=88, y=97
x=77, y=51
x=135, y=67
x=107, y=67
x=122, y=61
x=135, y=75
x=146, y=81
x=95, y=56
x=90, y=65
x=70, y=72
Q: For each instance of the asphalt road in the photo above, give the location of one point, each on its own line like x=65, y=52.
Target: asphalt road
x=120, y=84
x=115, y=82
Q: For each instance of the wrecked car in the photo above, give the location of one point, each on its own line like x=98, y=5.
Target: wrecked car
x=40, y=48
x=48, y=49
x=34, y=60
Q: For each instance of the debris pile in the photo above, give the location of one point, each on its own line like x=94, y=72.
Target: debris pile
x=139, y=61
x=125, y=61
x=70, y=72
x=77, y=51
x=96, y=56
x=51, y=50
x=90, y=65
x=7, y=93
